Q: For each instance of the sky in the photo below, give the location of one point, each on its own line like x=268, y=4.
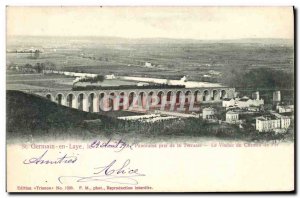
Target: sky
x=203, y=23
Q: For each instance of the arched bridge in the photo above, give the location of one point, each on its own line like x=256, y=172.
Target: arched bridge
x=104, y=100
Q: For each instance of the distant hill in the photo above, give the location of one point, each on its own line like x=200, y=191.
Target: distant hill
x=40, y=41
x=28, y=113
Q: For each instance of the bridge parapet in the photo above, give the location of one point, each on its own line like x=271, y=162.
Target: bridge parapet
x=89, y=100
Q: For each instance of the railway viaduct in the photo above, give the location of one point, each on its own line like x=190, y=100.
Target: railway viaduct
x=114, y=100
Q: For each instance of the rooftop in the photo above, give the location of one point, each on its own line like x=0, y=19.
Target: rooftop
x=244, y=99
x=231, y=112
x=208, y=109
x=267, y=117
x=227, y=99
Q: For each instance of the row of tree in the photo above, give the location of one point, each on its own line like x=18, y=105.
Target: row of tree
x=36, y=68
x=263, y=78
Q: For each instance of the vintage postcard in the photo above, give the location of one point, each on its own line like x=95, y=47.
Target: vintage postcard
x=150, y=99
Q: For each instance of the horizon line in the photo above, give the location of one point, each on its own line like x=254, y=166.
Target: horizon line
x=140, y=38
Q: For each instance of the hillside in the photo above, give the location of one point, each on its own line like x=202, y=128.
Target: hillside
x=30, y=114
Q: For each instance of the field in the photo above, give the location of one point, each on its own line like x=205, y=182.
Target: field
x=21, y=81
x=199, y=60
x=264, y=65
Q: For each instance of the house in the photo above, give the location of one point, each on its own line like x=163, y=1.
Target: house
x=267, y=123
x=285, y=121
x=148, y=64
x=272, y=123
x=110, y=77
x=244, y=102
x=253, y=109
x=208, y=113
x=285, y=108
x=232, y=117
x=139, y=84
x=228, y=102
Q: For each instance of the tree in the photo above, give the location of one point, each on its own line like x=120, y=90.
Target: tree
x=36, y=54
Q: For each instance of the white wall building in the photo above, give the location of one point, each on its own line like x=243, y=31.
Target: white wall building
x=269, y=123
x=142, y=84
x=228, y=102
x=110, y=77
x=208, y=113
x=148, y=64
x=285, y=109
x=285, y=122
x=232, y=116
x=244, y=102
x=265, y=124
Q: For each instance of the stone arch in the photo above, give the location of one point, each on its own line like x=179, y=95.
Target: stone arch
x=142, y=99
x=123, y=100
x=82, y=102
x=102, y=101
x=178, y=96
x=142, y=93
x=92, y=102
x=49, y=96
x=151, y=94
x=187, y=96
x=206, y=95
x=214, y=95
x=160, y=96
x=169, y=96
x=131, y=98
x=71, y=100
x=197, y=96
x=111, y=100
x=60, y=99
x=223, y=94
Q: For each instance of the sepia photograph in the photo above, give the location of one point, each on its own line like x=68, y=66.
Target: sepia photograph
x=169, y=90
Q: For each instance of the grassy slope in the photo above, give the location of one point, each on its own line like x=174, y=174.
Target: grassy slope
x=29, y=114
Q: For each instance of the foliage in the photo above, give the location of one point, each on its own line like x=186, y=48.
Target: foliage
x=263, y=78
x=98, y=78
x=36, y=68
x=26, y=112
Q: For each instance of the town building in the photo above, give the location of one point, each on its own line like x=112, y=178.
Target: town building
x=232, y=117
x=272, y=122
x=285, y=108
x=267, y=123
x=208, y=113
x=110, y=77
x=253, y=109
x=148, y=64
x=285, y=122
x=246, y=102
x=242, y=103
x=139, y=84
x=228, y=102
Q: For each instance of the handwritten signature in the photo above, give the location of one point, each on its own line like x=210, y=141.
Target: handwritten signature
x=64, y=159
x=108, y=173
